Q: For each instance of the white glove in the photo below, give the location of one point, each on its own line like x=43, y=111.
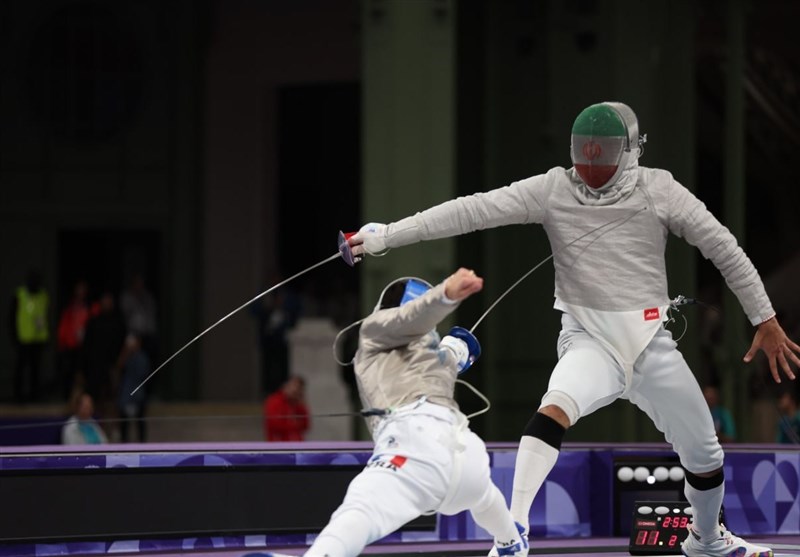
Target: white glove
x=458, y=348
x=370, y=239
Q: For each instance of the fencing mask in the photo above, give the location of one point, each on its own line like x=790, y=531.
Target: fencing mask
x=401, y=291
x=605, y=138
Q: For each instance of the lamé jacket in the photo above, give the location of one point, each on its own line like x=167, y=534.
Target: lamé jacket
x=398, y=358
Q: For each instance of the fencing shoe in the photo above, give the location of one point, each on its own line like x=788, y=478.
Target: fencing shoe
x=726, y=545
x=514, y=548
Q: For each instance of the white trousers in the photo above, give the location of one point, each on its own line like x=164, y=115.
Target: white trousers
x=425, y=460
x=587, y=378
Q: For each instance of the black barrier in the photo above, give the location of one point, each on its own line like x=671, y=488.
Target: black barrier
x=150, y=503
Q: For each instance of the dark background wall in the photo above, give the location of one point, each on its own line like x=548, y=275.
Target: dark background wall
x=217, y=145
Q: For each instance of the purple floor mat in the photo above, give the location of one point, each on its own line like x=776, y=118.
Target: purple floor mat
x=577, y=547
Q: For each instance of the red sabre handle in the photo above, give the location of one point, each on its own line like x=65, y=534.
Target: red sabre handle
x=344, y=248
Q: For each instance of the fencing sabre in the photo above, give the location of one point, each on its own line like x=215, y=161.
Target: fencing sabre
x=344, y=252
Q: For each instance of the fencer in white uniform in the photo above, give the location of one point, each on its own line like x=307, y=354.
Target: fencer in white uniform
x=426, y=459
x=608, y=220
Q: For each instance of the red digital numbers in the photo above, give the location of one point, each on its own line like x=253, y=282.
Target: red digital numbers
x=648, y=533
x=675, y=522
x=646, y=537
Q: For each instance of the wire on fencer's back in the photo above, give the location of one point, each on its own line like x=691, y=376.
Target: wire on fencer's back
x=553, y=254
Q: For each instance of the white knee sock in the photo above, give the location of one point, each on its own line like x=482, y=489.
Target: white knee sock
x=535, y=459
x=705, y=505
x=347, y=534
x=492, y=515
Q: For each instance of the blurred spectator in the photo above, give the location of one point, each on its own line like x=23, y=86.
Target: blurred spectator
x=136, y=366
x=139, y=309
x=277, y=313
x=723, y=420
x=81, y=428
x=285, y=412
x=28, y=328
x=789, y=425
x=71, y=334
x=105, y=335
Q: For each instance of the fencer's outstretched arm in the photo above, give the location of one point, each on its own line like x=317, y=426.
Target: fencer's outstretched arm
x=399, y=326
x=519, y=203
x=689, y=218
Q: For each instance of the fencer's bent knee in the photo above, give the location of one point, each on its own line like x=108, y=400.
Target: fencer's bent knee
x=700, y=457
x=711, y=474
x=564, y=403
x=547, y=428
x=706, y=481
x=556, y=416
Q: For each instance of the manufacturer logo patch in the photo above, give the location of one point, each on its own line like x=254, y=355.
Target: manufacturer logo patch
x=651, y=314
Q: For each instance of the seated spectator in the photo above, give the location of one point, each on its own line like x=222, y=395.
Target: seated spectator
x=723, y=420
x=81, y=428
x=285, y=412
x=789, y=425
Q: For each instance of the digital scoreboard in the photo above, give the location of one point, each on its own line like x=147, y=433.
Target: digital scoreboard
x=659, y=527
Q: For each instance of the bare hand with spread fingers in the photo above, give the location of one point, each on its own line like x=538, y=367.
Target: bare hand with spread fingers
x=771, y=339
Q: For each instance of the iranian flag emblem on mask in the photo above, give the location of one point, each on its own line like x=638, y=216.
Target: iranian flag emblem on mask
x=599, y=139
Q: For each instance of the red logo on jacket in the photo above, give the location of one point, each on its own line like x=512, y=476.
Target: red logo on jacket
x=651, y=313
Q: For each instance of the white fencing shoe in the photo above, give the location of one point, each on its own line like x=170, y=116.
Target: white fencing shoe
x=726, y=545
x=514, y=548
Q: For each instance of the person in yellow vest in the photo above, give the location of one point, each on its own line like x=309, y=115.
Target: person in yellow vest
x=30, y=331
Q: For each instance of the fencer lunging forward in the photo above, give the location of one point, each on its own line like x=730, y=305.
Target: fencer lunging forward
x=611, y=288
x=426, y=458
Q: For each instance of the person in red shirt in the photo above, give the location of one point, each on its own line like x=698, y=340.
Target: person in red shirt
x=285, y=412
x=71, y=331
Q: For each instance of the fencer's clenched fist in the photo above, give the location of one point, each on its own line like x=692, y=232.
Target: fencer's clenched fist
x=370, y=239
x=461, y=284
